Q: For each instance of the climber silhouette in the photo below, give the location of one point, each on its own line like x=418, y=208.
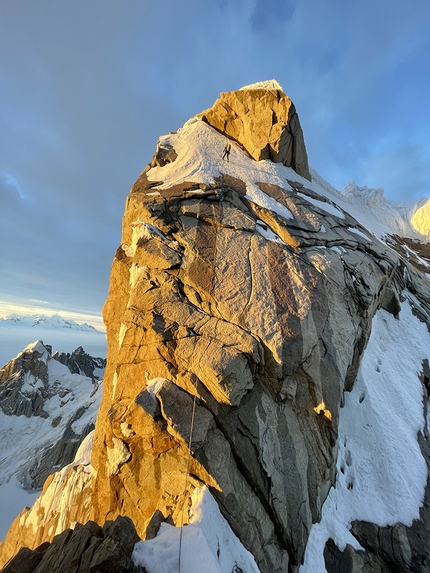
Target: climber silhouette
x=226, y=154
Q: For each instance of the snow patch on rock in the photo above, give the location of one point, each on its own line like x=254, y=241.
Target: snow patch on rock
x=265, y=85
x=208, y=543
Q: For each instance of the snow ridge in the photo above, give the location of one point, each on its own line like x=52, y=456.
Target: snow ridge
x=52, y=321
x=266, y=85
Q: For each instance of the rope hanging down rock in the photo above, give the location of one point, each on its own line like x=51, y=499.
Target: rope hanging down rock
x=186, y=482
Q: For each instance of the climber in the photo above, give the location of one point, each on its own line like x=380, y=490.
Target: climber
x=227, y=149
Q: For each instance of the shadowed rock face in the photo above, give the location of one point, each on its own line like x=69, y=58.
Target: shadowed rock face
x=87, y=548
x=80, y=362
x=265, y=122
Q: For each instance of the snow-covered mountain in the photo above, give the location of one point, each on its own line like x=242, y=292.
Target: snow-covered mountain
x=42, y=321
x=17, y=331
x=268, y=375
x=46, y=410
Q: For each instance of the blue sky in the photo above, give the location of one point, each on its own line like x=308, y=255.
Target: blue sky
x=87, y=86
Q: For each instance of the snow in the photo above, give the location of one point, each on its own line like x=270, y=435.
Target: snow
x=142, y=230
x=199, y=148
x=323, y=205
x=39, y=320
x=117, y=456
x=370, y=208
x=358, y=232
x=421, y=218
x=23, y=439
x=208, y=544
x=155, y=386
x=266, y=85
x=267, y=233
x=58, y=496
x=366, y=195
x=381, y=473
x=17, y=334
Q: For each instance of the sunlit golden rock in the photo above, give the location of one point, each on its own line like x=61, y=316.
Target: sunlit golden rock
x=265, y=122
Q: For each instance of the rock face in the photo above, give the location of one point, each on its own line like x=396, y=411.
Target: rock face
x=236, y=319
x=265, y=122
x=80, y=362
x=266, y=333
x=85, y=549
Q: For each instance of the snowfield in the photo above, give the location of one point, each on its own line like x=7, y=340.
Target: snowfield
x=381, y=473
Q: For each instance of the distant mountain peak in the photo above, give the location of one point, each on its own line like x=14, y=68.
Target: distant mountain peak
x=47, y=321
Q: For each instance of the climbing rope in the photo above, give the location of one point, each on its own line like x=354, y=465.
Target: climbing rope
x=186, y=481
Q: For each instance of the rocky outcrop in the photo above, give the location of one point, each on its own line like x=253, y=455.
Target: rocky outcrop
x=31, y=363
x=266, y=333
x=80, y=362
x=265, y=122
x=85, y=549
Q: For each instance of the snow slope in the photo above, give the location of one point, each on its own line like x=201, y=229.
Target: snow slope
x=381, y=473
x=208, y=544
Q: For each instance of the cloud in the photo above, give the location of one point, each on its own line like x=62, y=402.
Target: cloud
x=10, y=191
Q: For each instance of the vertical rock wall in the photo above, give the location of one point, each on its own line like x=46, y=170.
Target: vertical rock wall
x=265, y=334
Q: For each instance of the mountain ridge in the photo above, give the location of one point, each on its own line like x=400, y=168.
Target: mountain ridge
x=50, y=321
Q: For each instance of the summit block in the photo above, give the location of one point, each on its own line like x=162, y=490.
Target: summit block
x=263, y=120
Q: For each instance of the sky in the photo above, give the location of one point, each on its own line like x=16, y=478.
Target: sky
x=88, y=86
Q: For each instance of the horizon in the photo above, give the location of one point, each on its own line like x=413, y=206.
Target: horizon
x=7, y=309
